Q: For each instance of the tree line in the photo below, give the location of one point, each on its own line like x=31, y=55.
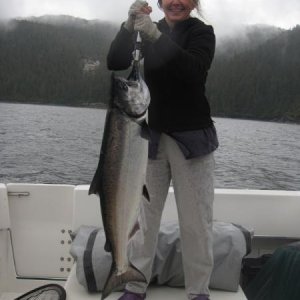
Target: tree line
x=259, y=82
x=45, y=62
x=62, y=60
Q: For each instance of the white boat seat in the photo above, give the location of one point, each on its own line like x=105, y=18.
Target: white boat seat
x=269, y=213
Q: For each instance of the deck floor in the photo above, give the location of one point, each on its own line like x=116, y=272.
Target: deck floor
x=153, y=293
x=77, y=292
x=9, y=296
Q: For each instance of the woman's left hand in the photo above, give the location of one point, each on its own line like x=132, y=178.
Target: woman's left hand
x=146, y=27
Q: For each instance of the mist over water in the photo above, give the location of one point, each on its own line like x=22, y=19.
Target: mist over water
x=53, y=144
x=226, y=16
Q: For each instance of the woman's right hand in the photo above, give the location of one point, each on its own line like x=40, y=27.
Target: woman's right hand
x=137, y=7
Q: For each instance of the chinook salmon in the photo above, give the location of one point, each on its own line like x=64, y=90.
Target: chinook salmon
x=120, y=176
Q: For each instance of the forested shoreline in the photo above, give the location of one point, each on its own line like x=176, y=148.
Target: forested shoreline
x=62, y=60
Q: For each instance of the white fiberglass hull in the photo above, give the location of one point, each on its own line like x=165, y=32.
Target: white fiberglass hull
x=35, y=221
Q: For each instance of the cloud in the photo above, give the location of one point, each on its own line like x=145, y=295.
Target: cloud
x=225, y=15
x=117, y=10
x=11, y=9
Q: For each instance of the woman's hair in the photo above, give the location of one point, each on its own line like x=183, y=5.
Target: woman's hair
x=196, y=2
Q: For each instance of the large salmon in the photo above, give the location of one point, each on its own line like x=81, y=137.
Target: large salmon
x=120, y=176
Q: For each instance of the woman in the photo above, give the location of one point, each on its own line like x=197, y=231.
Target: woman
x=178, y=52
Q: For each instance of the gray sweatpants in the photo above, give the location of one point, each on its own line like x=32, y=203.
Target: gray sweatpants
x=194, y=192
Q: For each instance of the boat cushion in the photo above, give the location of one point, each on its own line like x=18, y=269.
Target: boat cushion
x=230, y=246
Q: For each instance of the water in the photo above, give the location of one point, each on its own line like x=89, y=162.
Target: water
x=52, y=144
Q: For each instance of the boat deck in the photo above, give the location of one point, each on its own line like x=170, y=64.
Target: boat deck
x=75, y=291
x=9, y=296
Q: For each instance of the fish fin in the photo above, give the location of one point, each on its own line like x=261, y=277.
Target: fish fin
x=95, y=184
x=114, y=281
x=145, y=132
x=146, y=193
x=107, y=246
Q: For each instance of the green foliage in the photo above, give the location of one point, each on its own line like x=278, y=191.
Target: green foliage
x=255, y=74
x=44, y=63
x=260, y=82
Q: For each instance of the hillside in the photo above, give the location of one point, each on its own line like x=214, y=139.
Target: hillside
x=260, y=82
x=61, y=59
x=55, y=60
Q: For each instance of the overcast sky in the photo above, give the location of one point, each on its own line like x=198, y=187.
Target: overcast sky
x=223, y=14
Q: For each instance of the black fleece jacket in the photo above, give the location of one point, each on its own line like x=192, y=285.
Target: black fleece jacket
x=175, y=69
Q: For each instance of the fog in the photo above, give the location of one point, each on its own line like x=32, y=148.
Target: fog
x=227, y=16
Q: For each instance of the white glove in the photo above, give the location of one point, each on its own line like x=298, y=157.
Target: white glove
x=146, y=27
x=134, y=9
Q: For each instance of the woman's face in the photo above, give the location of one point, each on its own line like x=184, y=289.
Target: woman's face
x=177, y=10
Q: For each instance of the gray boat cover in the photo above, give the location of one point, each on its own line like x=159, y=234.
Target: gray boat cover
x=231, y=244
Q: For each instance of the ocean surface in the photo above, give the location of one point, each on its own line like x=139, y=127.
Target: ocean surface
x=55, y=144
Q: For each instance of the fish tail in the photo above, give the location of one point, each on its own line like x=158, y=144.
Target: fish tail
x=114, y=281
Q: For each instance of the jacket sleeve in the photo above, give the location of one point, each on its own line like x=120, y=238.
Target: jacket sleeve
x=120, y=53
x=195, y=59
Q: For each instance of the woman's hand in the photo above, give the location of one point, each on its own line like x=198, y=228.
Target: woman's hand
x=137, y=8
x=146, y=27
